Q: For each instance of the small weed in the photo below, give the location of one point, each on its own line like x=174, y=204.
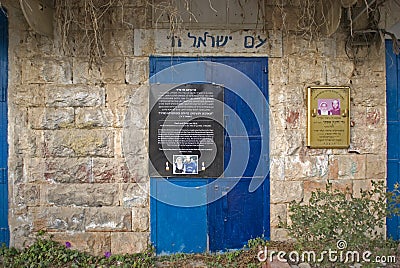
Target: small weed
x=256, y=242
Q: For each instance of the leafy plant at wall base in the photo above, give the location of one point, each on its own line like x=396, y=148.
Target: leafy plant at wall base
x=332, y=215
x=48, y=253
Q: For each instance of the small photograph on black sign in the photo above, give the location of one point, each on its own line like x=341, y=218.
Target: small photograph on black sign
x=185, y=164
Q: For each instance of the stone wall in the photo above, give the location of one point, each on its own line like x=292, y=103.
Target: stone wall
x=296, y=170
x=67, y=168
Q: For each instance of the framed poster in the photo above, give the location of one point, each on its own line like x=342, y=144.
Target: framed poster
x=328, y=117
x=186, y=133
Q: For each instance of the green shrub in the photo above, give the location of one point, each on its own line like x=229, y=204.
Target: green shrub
x=48, y=253
x=331, y=216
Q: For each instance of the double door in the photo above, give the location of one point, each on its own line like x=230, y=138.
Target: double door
x=199, y=214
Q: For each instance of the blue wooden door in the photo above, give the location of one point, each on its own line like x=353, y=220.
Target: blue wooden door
x=393, y=130
x=240, y=213
x=4, y=231
x=178, y=206
x=234, y=209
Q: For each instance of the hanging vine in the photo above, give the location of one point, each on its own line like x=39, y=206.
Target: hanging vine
x=81, y=24
x=81, y=27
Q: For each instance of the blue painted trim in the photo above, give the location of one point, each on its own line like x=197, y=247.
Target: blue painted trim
x=393, y=133
x=4, y=228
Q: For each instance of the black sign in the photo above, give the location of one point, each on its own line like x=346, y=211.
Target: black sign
x=186, y=130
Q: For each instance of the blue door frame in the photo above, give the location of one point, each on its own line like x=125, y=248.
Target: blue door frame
x=4, y=230
x=240, y=214
x=393, y=130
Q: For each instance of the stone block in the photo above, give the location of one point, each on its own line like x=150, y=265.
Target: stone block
x=129, y=242
x=83, y=73
x=107, y=170
x=294, y=140
x=319, y=166
x=344, y=186
x=21, y=230
x=279, y=234
x=136, y=118
x=278, y=72
x=276, y=263
x=16, y=169
x=31, y=95
x=302, y=166
x=86, y=195
x=32, y=44
x=347, y=166
x=276, y=96
x=358, y=115
x=118, y=97
x=140, y=219
x=293, y=118
x=137, y=70
x=74, y=96
x=93, y=117
x=364, y=185
x=96, y=243
x=277, y=168
x=135, y=195
x=51, y=118
x=295, y=95
x=135, y=169
x=79, y=143
x=374, y=97
x=119, y=116
x=30, y=142
x=46, y=70
x=286, y=191
x=26, y=194
x=356, y=93
x=278, y=214
x=58, y=170
x=298, y=47
x=134, y=147
x=312, y=68
x=118, y=42
x=338, y=72
x=113, y=70
x=59, y=219
x=296, y=167
x=313, y=186
x=121, y=18
x=108, y=219
x=375, y=166
x=118, y=152
x=375, y=118
x=368, y=141
x=277, y=119
x=76, y=219
x=339, y=39
x=116, y=170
